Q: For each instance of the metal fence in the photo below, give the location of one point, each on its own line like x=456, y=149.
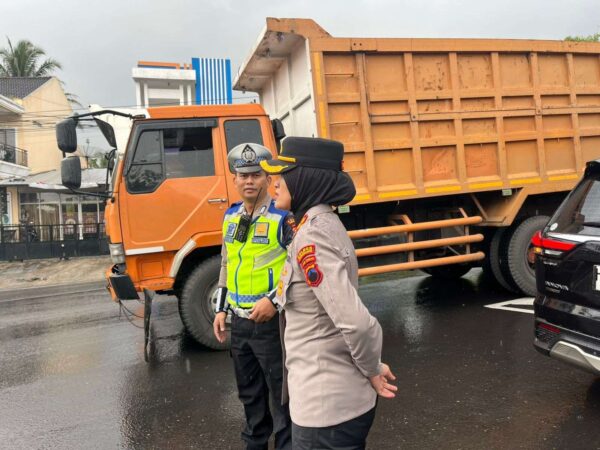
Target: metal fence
x=20, y=242
x=13, y=155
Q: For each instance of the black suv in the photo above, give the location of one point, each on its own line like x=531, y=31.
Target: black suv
x=567, y=304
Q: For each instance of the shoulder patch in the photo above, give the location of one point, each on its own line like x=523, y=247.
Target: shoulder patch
x=307, y=259
x=291, y=221
x=233, y=207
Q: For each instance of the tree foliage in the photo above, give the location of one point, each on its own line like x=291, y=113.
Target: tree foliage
x=591, y=38
x=25, y=60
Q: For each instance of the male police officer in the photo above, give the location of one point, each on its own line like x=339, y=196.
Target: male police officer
x=255, y=238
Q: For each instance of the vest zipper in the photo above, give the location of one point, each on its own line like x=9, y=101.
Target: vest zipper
x=237, y=295
x=237, y=290
x=270, y=279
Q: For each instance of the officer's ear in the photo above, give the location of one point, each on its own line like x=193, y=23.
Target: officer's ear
x=269, y=179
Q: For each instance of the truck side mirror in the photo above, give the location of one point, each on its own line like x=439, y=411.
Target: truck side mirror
x=66, y=135
x=278, y=132
x=70, y=172
x=107, y=131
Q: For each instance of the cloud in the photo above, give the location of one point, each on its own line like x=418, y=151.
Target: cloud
x=99, y=42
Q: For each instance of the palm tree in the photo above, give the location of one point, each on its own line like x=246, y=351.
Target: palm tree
x=23, y=60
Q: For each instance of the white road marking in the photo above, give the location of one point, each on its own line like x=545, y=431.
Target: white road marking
x=506, y=306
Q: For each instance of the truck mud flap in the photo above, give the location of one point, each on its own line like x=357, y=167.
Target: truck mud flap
x=123, y=287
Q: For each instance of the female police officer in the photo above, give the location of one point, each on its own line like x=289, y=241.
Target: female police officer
x=332, y=344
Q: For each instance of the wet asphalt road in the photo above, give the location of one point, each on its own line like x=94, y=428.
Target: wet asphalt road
x=72, y=375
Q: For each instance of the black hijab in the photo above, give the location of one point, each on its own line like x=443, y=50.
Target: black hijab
x=310, y=186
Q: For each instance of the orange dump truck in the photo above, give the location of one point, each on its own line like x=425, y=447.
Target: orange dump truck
x=435, y=129
x=459, y=149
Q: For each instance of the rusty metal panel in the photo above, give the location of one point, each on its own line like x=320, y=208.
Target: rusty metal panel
x=444, y=120
x=427, y=117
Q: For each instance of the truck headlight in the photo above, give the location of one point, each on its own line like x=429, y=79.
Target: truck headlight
x=117, y=253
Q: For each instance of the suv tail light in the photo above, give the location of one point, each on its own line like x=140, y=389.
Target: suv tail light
x=551, y=247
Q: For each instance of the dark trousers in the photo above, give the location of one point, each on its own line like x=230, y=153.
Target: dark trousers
x=350, y=435
x=258, y=363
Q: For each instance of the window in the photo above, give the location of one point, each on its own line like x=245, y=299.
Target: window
x=28, y=197
x=49, y=197
x=89, y=216
x=176, y=152
x=7, y=145
x=580, y=213
x=241, y=131
x=145, y=172
x=188, y=152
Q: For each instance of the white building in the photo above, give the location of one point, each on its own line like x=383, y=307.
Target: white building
x=203, y=82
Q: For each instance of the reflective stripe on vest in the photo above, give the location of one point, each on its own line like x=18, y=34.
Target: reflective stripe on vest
x=254, y=266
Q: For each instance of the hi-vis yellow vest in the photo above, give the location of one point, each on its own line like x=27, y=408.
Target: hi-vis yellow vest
x=254, y=266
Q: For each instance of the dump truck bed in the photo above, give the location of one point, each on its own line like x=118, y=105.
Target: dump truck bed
x=429, y=117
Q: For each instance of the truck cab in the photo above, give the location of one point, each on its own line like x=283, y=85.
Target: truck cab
x=170, y=188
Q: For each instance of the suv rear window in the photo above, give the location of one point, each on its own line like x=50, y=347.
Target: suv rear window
x=580, y=212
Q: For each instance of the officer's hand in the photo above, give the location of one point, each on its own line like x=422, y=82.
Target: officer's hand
x=381, y=382
x=263, y=311
x=219, y=327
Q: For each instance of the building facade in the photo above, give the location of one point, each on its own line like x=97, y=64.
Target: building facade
x=29, y=110
x=206, y=81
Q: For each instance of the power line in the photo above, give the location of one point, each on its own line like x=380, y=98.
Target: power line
x=84, y=108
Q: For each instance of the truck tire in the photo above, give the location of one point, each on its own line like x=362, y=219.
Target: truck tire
x=497, y=255
x=448, y=272
x=520, y=258
x=197, y=303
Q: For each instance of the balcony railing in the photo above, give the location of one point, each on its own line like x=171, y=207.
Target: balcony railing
x=13, y=155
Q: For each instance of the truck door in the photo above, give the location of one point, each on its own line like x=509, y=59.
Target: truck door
x=175, y=185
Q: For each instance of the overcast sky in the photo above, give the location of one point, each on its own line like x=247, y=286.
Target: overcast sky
x=98, y=42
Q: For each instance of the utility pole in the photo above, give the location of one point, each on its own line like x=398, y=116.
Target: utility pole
x=87, y=157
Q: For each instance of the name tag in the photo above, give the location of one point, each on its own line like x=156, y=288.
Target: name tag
x=261, y=230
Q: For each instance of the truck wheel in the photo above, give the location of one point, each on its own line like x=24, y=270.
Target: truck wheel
x=197, y=303
x=449, y=272
x=520, y=253
x=495, y=259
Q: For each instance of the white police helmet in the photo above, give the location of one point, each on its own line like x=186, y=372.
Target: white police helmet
x=246, y=158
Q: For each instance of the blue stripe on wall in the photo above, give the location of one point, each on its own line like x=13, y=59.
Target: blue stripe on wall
x=213, y=81
x=196, y=66
x=214, y=77
x=228, y=80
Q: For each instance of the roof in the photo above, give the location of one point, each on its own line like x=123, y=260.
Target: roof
x=184, y=112
x=20, y=87
x=9, y=105
x=51, y=180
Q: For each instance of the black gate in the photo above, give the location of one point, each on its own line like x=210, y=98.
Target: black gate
x=20, y=242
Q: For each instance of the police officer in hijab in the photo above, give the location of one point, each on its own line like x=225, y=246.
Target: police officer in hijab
x=255, y=237
x=332, y=344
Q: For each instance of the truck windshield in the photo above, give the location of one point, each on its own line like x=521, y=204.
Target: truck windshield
x=580, y=212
